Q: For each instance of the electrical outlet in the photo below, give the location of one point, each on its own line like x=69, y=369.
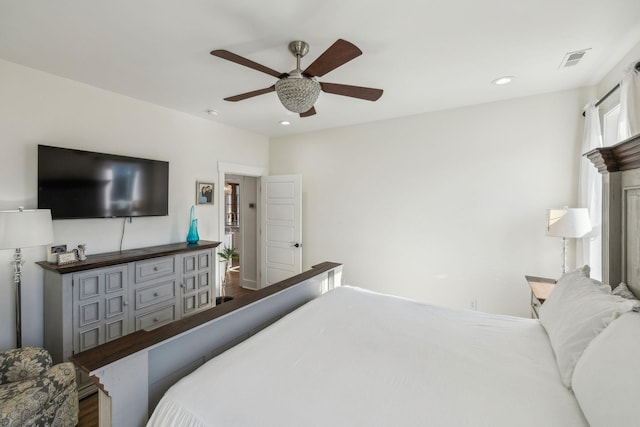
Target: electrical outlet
x=473, y=304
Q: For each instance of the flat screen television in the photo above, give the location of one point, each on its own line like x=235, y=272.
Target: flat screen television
x=83, y=184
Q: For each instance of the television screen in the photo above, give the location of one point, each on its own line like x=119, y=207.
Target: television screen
x=84, y=184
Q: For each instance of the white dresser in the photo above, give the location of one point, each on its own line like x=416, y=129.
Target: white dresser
x=91, y=302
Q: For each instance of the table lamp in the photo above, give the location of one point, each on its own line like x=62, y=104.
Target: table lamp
x=568, y=223
x=23, y=229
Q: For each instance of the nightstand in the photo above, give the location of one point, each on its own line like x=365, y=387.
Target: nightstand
x=541, y=287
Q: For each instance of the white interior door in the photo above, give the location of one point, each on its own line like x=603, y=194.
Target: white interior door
x=281, y=228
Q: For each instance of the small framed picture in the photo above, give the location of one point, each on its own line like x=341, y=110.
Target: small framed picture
x=54, y=250
x=204, y=193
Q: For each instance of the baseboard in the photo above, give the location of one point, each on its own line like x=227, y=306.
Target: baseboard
x=87, y=390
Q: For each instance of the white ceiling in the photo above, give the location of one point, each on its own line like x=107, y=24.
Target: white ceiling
x=426, y=55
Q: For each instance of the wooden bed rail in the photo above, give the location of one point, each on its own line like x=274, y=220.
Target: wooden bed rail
x=133, y=372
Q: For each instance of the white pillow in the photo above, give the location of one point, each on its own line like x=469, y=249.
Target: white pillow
x=623, y=290
x=577, y=310
x=583, y=271
x=606, y=380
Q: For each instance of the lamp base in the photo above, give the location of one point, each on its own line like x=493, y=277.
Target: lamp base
x=17, y=279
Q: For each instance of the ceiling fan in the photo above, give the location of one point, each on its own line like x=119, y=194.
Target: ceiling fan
x=298, y=90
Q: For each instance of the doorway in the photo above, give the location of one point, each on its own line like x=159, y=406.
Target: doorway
x=240, y=235
x=269, y=255
x=246, y=273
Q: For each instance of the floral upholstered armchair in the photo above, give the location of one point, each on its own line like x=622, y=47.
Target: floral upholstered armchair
x=35, y=393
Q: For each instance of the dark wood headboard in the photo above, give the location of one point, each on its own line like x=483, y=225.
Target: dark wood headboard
x=617, y=158
x=620, y=169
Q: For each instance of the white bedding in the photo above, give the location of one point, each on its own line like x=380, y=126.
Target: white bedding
x=356, y=358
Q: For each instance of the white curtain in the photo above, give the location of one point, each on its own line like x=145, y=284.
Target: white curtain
x=589, y=248
x=629, y=119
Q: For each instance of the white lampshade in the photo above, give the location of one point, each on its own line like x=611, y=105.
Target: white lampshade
x=25, y=228
x=568, y=222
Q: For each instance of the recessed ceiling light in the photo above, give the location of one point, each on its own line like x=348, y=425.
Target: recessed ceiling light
x=211, y=112
x=503, y=80
x=285, y=122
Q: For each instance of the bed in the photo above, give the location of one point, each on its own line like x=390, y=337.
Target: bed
x=343, y=356
x=356, y=358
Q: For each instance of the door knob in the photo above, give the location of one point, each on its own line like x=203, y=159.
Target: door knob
x=297, y=245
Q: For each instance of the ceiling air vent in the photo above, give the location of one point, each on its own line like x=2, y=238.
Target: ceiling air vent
x=572, y=58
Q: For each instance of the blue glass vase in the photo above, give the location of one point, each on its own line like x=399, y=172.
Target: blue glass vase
x=192, y=236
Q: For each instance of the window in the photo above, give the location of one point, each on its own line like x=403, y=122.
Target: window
x=610, y=126
x=232, y=204
x=609, y=111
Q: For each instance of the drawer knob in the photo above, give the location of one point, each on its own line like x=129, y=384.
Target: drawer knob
x=155, y=320
x=155, y=294
x=155, y=268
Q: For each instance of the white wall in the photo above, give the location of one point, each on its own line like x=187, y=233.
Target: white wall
x=614, y=76
x=39, y=108
x=446, y=207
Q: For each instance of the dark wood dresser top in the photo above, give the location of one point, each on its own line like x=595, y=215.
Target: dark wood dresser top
x=113, y=258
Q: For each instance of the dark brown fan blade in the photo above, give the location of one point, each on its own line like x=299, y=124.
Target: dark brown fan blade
x=311, y=112
x=336, y=55
x=251, y=94
x=367, y=93
x=225, y=54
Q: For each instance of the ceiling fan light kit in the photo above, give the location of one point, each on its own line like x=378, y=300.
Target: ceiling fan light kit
x=298, y=90
x=298, y=93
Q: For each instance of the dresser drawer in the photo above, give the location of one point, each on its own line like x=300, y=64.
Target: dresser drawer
x=156, y=318
x=156, y=294
x=155, y=268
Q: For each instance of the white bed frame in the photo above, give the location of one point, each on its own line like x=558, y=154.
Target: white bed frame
x=132, y=376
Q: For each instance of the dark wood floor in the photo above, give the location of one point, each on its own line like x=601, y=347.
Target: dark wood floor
x=88, y=416
x=233, y=288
